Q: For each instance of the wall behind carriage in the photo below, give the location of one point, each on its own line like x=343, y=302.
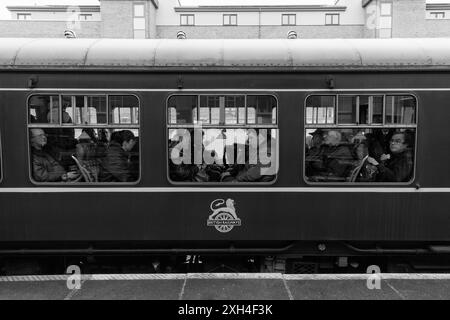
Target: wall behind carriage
x=48, y=28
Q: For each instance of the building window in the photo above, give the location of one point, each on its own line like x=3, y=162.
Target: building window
x=386, y=9
x=139, y=23
x=332, y=19
x=437, y=15
x=385, y=22
x=23, y=16
x=360, y=138
x=84, y=138
x=222, y=138
x=84, y=16
x=288, y=19
x=187, y=20
x=230, y=19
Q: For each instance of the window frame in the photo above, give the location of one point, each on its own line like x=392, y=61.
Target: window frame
x=169, y=126
x=60, y=94
x=187, y=20
x=366, y=126
x=229, y=16
x=332, y=15
x=438, y=15
x=288, y=15
x=27, y=16
x=85, y=16
x=139, y=17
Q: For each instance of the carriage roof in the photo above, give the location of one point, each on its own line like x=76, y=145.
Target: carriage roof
x=236, y=54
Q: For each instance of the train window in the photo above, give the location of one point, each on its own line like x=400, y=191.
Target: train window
x=84, y=110
x=183, y=109
x=123, y=110
x=400, y=110
x=261, y=110
x=372, y=141
x=225, y=146
x=76, y=149
x=320, y=109
x=44, y=109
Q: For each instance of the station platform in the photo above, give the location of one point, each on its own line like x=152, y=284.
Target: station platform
x=227, y=286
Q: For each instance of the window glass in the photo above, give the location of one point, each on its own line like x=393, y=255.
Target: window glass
x=365, y=151
x=138, y=10
x=183, y=109
x=187, y=20
x=228, y=150
x=76, y=151
x=400, y=110
x=320, y=109
x=230, y=19
x=84, y=109
x=123, y=110
x=261, y=110
x=210, y=109
x=347, y=109
x=386, y=9
x=43, y=109
x=288, y=19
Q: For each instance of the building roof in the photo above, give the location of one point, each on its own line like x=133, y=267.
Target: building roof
x=438, y=6
x=54, y=8
x=263, y=8
x=429, y=5
x=251, y=54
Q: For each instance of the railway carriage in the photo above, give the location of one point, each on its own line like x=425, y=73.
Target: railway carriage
x=269, y=148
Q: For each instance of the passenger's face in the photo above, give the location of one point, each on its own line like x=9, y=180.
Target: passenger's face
x=38, y=138
x=397, y=143
x=128, y=146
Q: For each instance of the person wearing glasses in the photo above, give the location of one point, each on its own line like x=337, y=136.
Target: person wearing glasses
x=398, y=165
x=45, y=167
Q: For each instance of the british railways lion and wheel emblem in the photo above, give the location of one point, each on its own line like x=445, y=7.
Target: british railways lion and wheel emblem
x=223, y=216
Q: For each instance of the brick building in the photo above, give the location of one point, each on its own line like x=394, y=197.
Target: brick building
x=232, y=19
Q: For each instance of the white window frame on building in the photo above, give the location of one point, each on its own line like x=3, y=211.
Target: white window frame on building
x=139, y=21
x=385, y=23
x=289, y=19
x=230, y=19
x=187, y=19
x=437, y=15
x=84, y=16
x=332, y=19
x=24, y=16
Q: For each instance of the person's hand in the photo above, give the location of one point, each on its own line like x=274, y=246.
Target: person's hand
x=385, y=157
x=225, y=174
x=372, y=161
x=72, y=175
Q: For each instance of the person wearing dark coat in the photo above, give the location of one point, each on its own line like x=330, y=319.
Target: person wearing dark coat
x=45, y=167
x=399, y=164
x=116, y=165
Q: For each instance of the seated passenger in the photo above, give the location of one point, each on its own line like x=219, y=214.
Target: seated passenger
x=399, y=164
x=313, y=153
x=116, y=164
x=86, y=155
x=253, y=172
x=362, y=170
x=45, y=167
x=335, y=157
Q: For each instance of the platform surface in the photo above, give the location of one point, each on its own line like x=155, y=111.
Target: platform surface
x=227, y=286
